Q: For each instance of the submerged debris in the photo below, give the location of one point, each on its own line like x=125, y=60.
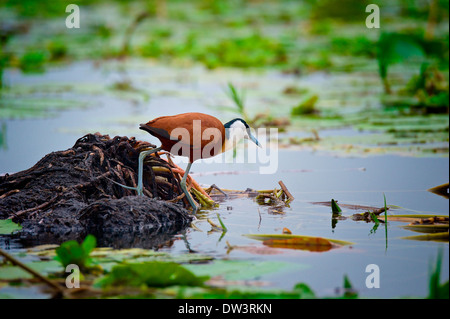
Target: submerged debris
x=369, y=215
x=70, y=193
x=276, y=199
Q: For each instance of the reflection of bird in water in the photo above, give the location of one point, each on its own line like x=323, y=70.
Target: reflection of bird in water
x=193, y=135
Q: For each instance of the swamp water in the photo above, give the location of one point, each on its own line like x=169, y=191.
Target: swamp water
x=311, y=176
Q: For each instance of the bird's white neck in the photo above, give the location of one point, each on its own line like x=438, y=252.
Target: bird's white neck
x=234, y=134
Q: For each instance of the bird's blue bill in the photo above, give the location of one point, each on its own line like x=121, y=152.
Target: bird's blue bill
x=251, y=137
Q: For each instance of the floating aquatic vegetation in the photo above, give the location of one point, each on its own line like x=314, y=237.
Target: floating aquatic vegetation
x=7, y=227
x=441, y=190
x=434, y=228
x=214, y=227
x=310, y=244
x=394, y=48
x=3, y=61
x=248, y=51
x=440, y=237
x=306, y=107
x=57, y=49
x=366, y=216
x=20, y=270
x=414, y=218
x=276, y=199
x=431, y=90
x=124, y=89
x=335, y=209
x=29, y=106
x=18, y=273
x=241, y=270
x=295, y=90
x=354, y=46
x=253, y=249
x=290, y=241
x=33, y=62
x=150, y=274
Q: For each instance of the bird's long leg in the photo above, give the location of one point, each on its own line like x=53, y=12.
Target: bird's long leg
x=140, y=188
x=183, y=186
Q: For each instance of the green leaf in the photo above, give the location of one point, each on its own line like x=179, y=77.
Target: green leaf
x=15, y=272
x=151, y=274
x=306, y=107
x=7, y=227
x=376, y=221
x=347, y=283
x=71, y=252
x=396, y=47
x=437, y=291
x=221, y=223
x=89, y=243
x=349, y=292
x=305, y=291
x=335, y=208
x=33, y=62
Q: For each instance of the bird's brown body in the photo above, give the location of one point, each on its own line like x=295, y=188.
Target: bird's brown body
x=194, y=135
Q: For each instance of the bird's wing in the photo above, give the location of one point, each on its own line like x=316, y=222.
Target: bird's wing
x=155, y=131
x=185, y=128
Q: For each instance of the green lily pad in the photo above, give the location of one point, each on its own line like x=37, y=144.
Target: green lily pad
x=151, y=274
x=43, y=267
x=7, y=227
x=240, y=269
x=290, y=236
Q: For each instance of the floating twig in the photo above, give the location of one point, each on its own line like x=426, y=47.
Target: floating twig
x=285, y=190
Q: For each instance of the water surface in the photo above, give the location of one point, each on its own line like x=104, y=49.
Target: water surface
x=311, y=176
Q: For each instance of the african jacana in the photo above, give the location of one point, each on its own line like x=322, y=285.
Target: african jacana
x=202, y=136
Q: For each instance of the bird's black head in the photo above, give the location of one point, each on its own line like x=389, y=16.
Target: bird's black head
x=238, y=128
x=230, y=123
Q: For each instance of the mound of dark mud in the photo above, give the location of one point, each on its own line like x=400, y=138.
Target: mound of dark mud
x=69, y=194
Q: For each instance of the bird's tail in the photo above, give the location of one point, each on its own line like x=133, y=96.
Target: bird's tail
x=158, y=132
